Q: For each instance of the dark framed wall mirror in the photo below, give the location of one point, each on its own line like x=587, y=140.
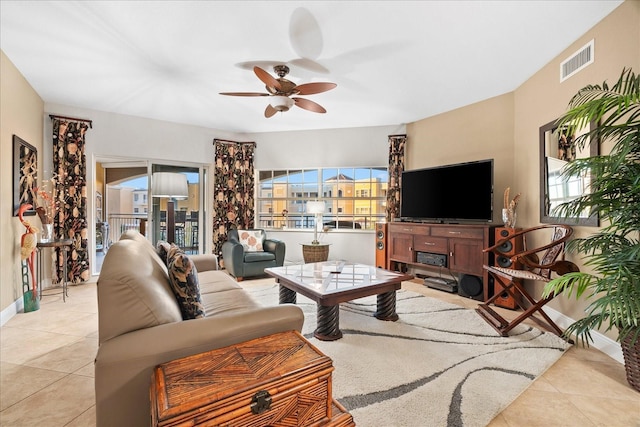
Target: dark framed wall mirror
x=556, y=151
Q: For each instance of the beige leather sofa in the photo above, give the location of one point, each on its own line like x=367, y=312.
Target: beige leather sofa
x=140, y=325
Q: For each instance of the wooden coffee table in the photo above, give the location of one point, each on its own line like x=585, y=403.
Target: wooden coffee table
x=332, y=282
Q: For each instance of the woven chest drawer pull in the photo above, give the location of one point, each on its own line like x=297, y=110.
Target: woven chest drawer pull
x=260, y=402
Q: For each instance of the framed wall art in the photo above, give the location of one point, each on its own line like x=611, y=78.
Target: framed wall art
x=25, y=174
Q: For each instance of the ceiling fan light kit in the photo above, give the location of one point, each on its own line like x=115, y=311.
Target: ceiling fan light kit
x=280, y=91
x=281, y=103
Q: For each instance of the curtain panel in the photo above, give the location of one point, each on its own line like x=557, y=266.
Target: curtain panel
x=70, y=220
x=233, y=189
x=396, y=167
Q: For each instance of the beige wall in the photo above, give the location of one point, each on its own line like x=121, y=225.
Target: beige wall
x=21, y=113
x=505, y=128
x=543, y=98
x=476, y=132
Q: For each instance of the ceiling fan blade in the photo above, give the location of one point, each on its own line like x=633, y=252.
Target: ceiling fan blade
x=244, y=93
x=305, y=34
x=311, y=88
x=309, y=105
x=264, y=64
x=269, y=111
x=267, y=78
x=310, y=65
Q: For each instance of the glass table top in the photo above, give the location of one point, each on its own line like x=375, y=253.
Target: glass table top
x=334, y=276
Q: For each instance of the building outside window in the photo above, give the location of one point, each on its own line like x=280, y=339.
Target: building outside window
x=140, y=200
x=355, y=198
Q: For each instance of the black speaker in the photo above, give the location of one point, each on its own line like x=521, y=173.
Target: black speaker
x=471, y=287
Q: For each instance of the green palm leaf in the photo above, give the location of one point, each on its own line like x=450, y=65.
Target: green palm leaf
x=613, y=252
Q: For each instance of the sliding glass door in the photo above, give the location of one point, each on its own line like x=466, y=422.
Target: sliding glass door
x=124, y=199
x=177, y=214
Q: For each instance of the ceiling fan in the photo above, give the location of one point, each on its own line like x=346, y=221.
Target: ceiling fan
x=283, y=92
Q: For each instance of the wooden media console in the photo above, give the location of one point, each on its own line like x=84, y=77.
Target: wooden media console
x=456, y=247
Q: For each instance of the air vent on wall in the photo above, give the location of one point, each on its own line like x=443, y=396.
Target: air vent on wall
x=577, y=61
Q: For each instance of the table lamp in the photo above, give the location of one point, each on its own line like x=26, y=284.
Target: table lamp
x=172, y=186
x=316, y=208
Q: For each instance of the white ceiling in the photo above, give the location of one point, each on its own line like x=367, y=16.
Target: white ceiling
x=394, y=61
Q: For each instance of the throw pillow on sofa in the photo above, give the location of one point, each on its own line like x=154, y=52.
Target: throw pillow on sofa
x=251, y=240
x=163, y=251
x=183, y=277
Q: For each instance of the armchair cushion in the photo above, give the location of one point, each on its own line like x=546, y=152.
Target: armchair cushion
x=259, y=256
x=183, y=278
x=251, y=240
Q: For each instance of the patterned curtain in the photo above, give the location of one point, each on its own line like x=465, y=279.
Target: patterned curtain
x=70, y=221
x=396, y=167
x=233, y=189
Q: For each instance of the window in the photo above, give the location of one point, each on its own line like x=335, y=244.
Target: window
x=355, y=198
x=562, y=189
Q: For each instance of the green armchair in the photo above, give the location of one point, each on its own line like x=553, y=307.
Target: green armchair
x=249, y=252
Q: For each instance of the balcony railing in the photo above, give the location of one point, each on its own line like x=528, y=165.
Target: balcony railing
x=186, y=230
x=119, y=223
x=304, y=221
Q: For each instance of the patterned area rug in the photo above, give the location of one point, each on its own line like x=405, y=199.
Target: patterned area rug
x=439, y=365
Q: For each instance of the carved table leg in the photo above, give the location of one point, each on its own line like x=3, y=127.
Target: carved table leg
x=386, y=308
x=328, y=328
x=286, y=295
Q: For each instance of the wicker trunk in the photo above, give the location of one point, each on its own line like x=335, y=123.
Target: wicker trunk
x=278, y=380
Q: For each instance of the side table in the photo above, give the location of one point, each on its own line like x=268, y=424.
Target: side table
x=65, y=246
x=318, y=252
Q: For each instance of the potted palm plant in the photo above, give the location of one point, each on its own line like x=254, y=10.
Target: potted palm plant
x=612, y=253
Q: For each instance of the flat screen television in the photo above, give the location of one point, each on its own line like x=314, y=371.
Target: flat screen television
x=460, y=192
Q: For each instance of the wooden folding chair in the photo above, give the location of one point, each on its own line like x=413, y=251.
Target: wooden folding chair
x=527, y=264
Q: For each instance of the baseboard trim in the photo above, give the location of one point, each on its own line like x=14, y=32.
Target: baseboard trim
x=11, y=310
x=603, y=343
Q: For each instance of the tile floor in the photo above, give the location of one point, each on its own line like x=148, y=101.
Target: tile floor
x=46, y=373
x=46, y=362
